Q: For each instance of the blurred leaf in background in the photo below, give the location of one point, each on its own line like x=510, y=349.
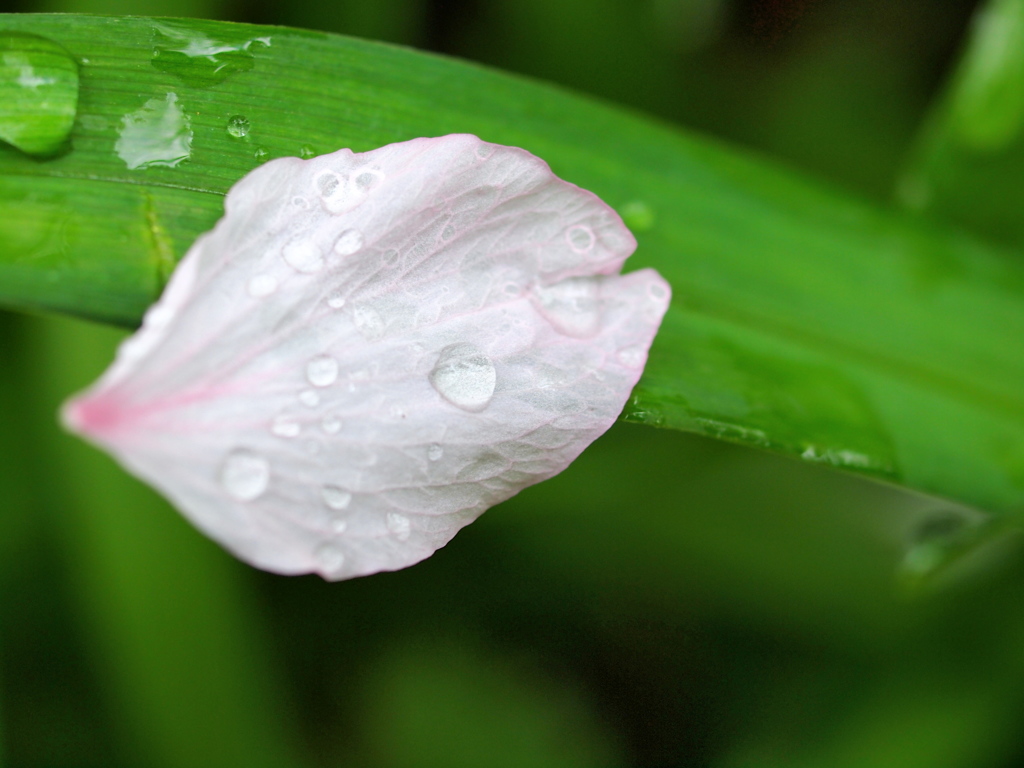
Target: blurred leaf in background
x=669, y=600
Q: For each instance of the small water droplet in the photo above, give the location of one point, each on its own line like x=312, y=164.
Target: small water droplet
x=483, y=151
x=335, y=497
x=306, y=152
x=285, y=426
x=339, y=525
x=448, y=232
x=465, y=377
x=399, y=525
x=435, y=452
x=632, y=356
x=336, y=299
x=580, y=238
x=348, y=242
x=657, y=291
x=369, y=322
x=245, y=475
x=327, y=183
x=322, y=371
x=572, y=306
x=303, y=255
x=238, y=126
x=331, y=424
x=260, y=286
x=260, y=154
x=330, y=558
x=368, y=179
x=309, y=398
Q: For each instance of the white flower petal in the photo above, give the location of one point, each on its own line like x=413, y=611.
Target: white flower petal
x=369, y=350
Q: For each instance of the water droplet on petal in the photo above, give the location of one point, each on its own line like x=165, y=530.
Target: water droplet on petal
x=330, y=558
x=464, y=376
x=580, y=238
x=309, y=398
x=303, y=256
x=322, y=371
x=572, y=306
x=369, y=322
x=285, y=426
x=657, y=291
x=335, y=497
x=260, y=286
x=336, y=300
x=245, y=475
x=399, y=525
x=331, y=425
x=238, y=126
x=435, y=452
x=348, y=242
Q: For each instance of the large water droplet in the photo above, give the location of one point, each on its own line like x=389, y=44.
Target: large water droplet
x=322, y=371
x=238, y=126
x=399, y=525
x=200, y=61
x=303, y=256
x=159, y=133
x=348, y=242
x=572, y=306
x=38, y=93
x=464, y=376
x=330, y=558
x=245, y=475
x=335, y=497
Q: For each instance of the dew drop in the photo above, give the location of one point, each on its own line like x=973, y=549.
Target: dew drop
x=336, y=300
x=331, y=425
x=238, y=126
x=306, y=152
x=260, y=154
x=245, y=475
x=448, y=232
x=260, y=286
x=435, y=452
x=348, y=242
x=464, y=376
x=580, y=238
x=367, y=180
x=285, y=426
x=309, y=398
x=484, y=151
x=572, y=306
x=399, y=525
x=322, y=371
x=657, y=291
x=335, y=497
x=631, y=357
x=330, y=558
x=327, y=183
x=303, y=256
x=158, y=134
x=368, y=322
x=339, y=525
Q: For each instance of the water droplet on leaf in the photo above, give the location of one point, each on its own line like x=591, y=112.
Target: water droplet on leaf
x=200, y=61
x=159, y=133
x=238, y=126
x=38, y=93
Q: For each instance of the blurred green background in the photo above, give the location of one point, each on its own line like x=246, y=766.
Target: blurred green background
x=669, y=600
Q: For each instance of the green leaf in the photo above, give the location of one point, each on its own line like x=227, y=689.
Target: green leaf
x=803, y=321
x=38, y=93
x=967, y=164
